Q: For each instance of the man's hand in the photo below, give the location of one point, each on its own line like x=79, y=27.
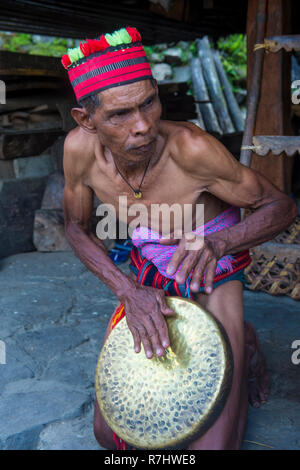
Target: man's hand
x=145, y=308
x=197, y=255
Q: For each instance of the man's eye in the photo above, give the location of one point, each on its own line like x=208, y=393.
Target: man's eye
x=148, y=102
x=121, y=113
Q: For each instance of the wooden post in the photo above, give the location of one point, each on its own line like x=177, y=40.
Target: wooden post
x=274, y=110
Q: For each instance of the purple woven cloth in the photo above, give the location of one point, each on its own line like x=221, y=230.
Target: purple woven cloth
x=147, y=241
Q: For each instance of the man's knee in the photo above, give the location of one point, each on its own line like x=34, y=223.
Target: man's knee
x=102, y=432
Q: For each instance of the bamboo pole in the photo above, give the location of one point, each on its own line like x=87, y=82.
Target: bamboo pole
x=255, y=86
x=254, y=89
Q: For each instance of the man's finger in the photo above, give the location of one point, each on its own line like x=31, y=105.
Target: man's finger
x=196, y=278
x=209, y=276
x=146, y=342
x=198, y=271
x=187, y=265
x=136, y=338
x=161, y=327
x=165, y=309
x=169, y=241
x=154, y=337
x=177, y=258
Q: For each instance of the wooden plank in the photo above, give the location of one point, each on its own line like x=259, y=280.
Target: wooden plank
x=92, y=17
x=257, y=18
x=277, y=144
x=15, y=144
x=13, y=63
x=276, y=43
x=274, y=110
x=281, y=251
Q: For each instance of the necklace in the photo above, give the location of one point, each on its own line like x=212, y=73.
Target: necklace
x=136, y=192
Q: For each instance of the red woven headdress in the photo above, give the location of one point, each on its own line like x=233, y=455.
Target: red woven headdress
x=111, y=60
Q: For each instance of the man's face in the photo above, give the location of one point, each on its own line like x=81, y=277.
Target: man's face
x=128, y=119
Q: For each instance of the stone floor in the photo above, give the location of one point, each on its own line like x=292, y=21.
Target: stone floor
x=54, y=314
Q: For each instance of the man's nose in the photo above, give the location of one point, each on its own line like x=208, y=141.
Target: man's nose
x=141, y=125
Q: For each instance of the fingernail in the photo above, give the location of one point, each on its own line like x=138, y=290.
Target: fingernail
x=170, y=270
x=209, y=290
x=159, y=352
x=149, y=354
x=165, y=344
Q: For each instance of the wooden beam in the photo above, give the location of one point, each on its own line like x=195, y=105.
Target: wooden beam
x=290, y=252
x=13, y=63
x=276, y=43
x=277, y=144
x=274, y=110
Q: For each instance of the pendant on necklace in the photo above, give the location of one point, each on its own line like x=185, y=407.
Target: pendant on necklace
x=137, y=194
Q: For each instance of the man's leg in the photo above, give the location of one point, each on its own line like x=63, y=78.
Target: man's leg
x=102, y=431
x=226, y=304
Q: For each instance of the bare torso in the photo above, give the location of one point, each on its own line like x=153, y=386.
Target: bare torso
x=165, y=180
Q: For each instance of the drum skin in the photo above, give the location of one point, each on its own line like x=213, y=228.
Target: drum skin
x=167, y=402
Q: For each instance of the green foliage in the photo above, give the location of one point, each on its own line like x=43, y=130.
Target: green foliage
x=21, y=42
x=233, y=52
x=150, y=50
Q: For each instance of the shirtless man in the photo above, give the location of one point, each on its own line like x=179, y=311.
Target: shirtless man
x=118, y=135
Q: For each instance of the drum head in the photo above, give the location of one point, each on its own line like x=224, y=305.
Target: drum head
x=166, y=402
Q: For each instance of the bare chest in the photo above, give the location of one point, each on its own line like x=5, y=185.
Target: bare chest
x=169, y=196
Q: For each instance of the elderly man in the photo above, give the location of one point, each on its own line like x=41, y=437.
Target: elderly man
x=121, y=147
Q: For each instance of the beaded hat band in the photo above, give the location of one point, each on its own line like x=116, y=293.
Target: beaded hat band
x=109, y=61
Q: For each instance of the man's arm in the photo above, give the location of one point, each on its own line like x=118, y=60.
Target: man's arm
x=221, y=175
x=244, y=187
x=78, y=207
x=144, y=306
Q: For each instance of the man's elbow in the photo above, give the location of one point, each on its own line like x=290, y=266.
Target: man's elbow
x=294, y=210
x=73, y=233
x=290, y=211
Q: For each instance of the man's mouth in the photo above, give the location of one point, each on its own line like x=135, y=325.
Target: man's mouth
x=146, y=147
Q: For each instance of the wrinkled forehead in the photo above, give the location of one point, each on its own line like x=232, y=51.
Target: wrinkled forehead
x=126, y=96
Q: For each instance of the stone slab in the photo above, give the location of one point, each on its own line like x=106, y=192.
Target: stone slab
x=19, y=365
x=23, y=415
x=52, y=365
x=48, y=343
x=49, y=231
x=19, y=200
x=33, y=167
x=6, y=169
x=30, y=305
x=69, y=435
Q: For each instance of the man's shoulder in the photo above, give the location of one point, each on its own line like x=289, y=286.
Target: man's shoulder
x=78, y=151
x=188, y=143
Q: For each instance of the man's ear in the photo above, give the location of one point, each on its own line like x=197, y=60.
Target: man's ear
x=83, y=119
